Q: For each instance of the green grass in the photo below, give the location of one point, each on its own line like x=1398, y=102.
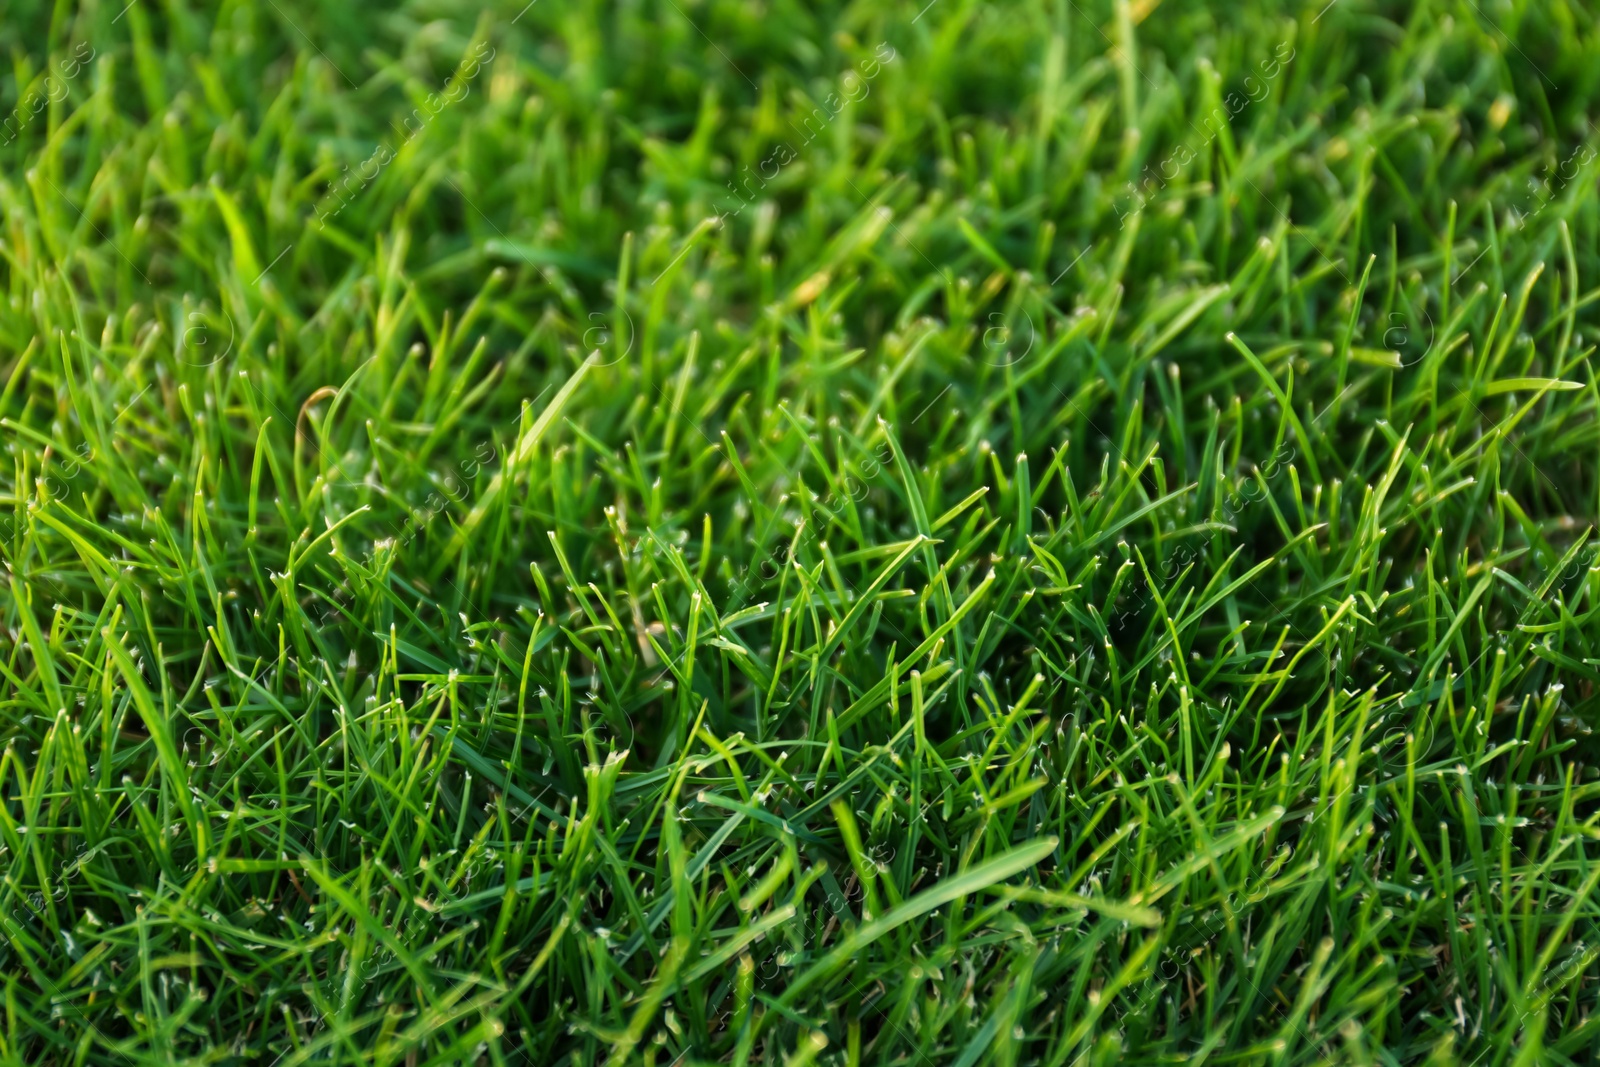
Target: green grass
x=709, y=531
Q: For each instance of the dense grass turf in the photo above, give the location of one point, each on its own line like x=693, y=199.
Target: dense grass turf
x=708, y=531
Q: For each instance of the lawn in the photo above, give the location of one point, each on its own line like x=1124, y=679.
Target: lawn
x=681, y=532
